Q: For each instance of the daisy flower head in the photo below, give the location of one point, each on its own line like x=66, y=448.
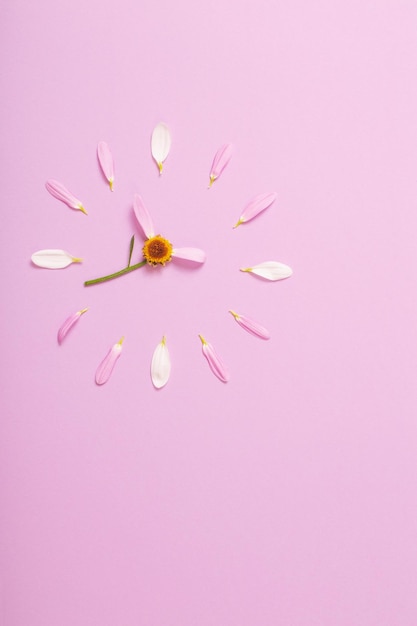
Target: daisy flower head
x=156, y=249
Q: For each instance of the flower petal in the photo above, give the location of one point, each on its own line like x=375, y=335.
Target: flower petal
x=271, y=270
x=143, y=217
x=161, y=365
x=53, y=259
x=60, y=192
x=190, y=254
x=216, y=364
x=221, y=159
x=256, y=206
x=68, y=324
x=105, y=368
x=105, y=158
x=251, y=326
x=160, y=144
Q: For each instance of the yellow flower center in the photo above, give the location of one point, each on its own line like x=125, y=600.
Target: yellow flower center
x=157, y=250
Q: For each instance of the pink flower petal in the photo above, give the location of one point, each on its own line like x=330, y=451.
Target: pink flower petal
x=190, y=254
x=143, y=217
x=60, y=192
x=214, y=361
x=251, y=326
x=221, y=159
x=68, y=324
x=256, y=206
x=105, y=158
x=105, y=368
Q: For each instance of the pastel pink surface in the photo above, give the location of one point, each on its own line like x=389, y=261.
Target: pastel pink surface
x=287, y=496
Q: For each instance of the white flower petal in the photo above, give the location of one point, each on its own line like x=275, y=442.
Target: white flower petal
x=270, y=270
x=53, y=259
x=160, y=144
x=161, y=365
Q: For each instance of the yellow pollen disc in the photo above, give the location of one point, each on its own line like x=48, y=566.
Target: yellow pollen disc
x=157, y=250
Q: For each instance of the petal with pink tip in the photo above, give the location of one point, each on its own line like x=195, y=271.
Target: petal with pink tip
x=105, y=159
x=252, y=327
x=270, y=270
x=68, y=324
x=143, y=217
x=60, y=192
x=161, y=365
x=53, y=259
x=216, y=364
x=221, y=159
x=106, y=367
x=256, y=206
x=160, y=144
x=190, y=254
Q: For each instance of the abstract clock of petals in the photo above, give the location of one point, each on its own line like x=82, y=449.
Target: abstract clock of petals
x=157, y=251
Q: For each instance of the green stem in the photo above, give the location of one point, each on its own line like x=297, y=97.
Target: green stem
x=126, y=270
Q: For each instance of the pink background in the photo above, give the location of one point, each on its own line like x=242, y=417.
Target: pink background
x=287, y=496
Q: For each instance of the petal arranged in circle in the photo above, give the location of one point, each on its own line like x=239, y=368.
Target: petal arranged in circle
x=189, y=254
x=256, y=206
x=160, y=144
x=143, y=217
x=161, y=365
x=53, y=259
x=68, y=324
x=221, y=159
x=216, y=364
x=251, y=326
x=60, y=192
x=105, y=159
x=270, y=270
x=106, y=367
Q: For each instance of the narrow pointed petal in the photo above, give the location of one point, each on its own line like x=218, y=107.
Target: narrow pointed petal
x=252, y=327
x=160, y=144
x=106, y=367
x=161, y=365
x=190, y=254
x=270, y=270
x=256, y=206
x=131, y=246
x=143, y=217
x=216, y=364
x=60, y=192
x=105, y=159
x=68, y=324
x=221, y=159
x=53, y=259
